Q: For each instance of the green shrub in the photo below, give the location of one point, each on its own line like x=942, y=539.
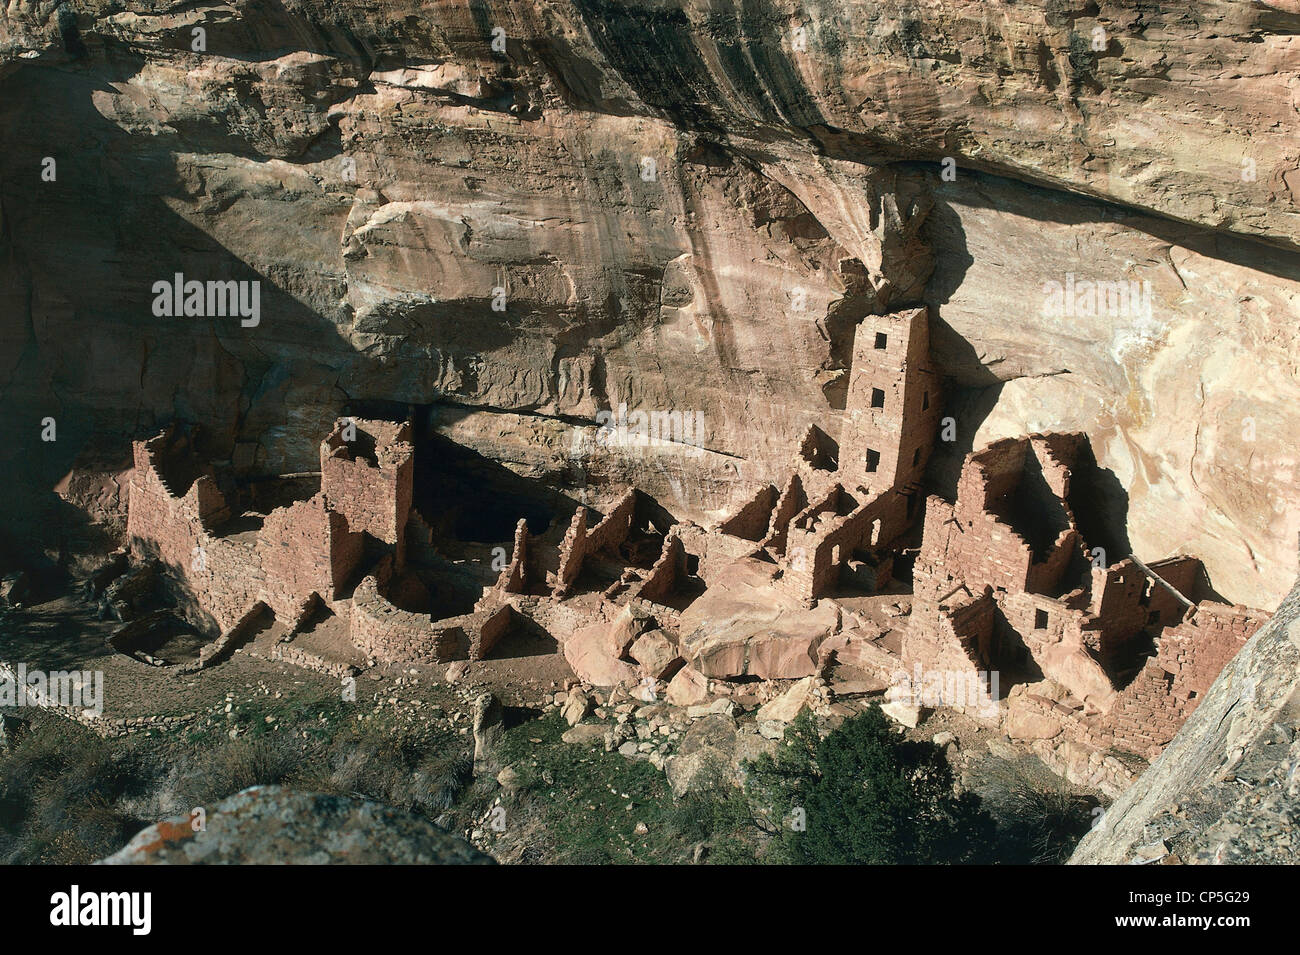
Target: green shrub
x=863, y=795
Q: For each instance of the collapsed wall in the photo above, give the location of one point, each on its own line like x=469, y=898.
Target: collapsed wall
x=287, y=558
x=1060, y=625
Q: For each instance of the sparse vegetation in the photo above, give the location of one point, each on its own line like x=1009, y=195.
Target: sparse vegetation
x=1040, y=817
x=863, y=795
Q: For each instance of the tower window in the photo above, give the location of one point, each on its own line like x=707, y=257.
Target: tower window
x=1040, y=619
x=882, y=340
x=873, y=460
x=925, y=401
x=916, y=457
x=877, y=398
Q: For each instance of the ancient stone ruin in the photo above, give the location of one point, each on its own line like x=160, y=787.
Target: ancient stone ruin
x=844, y=568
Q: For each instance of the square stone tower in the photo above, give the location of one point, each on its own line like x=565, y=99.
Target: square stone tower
x=892, y=408
x=367, y=475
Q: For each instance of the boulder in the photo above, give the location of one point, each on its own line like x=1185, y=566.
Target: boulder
x=489, y=728
x=808, y=692
x=587, y=734
x=1028, y=723
x=576, y=707
x=656, y=654
x=904, y=713
x=631, y=622
x=688, y=687
x=744, y=626
x=705, y=756
x=591, y=653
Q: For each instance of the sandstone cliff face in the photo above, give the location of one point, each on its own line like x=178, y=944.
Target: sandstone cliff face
x=1226, y=789
x=679, y=205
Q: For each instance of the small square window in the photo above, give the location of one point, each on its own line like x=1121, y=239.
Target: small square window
x=873, y=460
x=877, y=398
x=1040, y=619
x=882, y=340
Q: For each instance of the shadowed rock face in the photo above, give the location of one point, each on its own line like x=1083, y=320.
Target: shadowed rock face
x=684, y=205
x=1226, y=789
x=270, y=825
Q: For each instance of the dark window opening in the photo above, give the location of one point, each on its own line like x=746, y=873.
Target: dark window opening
x=877, y=398
x=925, y=401
x=882, y=340
x=916, y=457
x=873, y=460
x=1040, y=619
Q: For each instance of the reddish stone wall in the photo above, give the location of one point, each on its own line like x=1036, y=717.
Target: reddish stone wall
x=614, y=529
x=486, y=628
x=513, y=579
x=579, y=542
x=393, y=635
x=572, y=551
x=893, y=403
x=791, y=502
x=374, y=497
x=302, y=550
x=751, y=521
x=666, y=572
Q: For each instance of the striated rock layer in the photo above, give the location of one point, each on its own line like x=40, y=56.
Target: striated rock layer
x=664, y=206
x=1225, y=790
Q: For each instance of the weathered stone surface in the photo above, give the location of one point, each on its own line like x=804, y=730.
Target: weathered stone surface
x=593, y=656
x=489, y=729
x=705, y=756
x=1224, y=789
x=688, y=687
x=745, y=627
x=271, y=825
x=576, y=707
x=383, y=196
x=655, y=653
x=1025, y=724
x=807, y=693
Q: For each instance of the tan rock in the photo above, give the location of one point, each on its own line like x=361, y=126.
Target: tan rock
x=655, y=653
x=787, y=706
x=688, y=688
x=576, y=707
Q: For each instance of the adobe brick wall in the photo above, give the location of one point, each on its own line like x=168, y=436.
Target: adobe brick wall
x=791, y=501
x=573, y=549
x=302, y=550
x=578, y=542
x=714, y=551
x=486, y=628
x=389, y=634
x=617, y=524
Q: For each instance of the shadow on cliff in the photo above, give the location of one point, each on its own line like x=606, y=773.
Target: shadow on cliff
x=1097, y=498
x=1035, y=201
x=80, y=256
